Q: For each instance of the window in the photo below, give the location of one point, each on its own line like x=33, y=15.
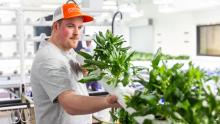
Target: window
x=208, y=40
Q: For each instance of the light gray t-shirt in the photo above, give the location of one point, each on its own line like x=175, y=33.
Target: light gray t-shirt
x=51, y=74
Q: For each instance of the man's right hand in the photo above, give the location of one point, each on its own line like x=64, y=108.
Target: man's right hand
x=112, y=100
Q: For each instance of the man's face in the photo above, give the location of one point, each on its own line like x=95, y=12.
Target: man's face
x=69, y=32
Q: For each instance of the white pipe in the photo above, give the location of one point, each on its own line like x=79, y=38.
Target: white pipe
x=20, y=33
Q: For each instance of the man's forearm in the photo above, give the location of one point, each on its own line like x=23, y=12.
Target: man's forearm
x=78, y=104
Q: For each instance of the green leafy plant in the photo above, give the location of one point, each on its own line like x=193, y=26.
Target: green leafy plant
x=122, y=116
x=139, y=56
x=170, y=93
x=176, y=94
x=114, y=63
x=111, y=58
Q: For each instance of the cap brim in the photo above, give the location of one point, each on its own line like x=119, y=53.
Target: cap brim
x=86, y=18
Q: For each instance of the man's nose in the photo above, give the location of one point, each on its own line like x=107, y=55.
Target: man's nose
x=76, y=31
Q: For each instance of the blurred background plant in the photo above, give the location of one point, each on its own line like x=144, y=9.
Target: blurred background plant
x=143, y=56
x=176, y=95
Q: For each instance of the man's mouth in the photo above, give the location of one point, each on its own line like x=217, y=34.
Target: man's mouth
x=73, y=38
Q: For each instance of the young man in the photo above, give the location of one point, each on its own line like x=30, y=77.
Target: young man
x=58, y=96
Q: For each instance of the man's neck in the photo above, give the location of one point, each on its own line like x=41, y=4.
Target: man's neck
x=55, y=41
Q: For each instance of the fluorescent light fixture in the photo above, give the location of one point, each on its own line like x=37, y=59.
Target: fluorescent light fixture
x=10, y=1
x=49, y=6
x=165, y=8
x=15, y=5
x=185, y=5
x=109, y=7
x=127, y=8
x=163, y=1
x=109, y=3
x=137, y=14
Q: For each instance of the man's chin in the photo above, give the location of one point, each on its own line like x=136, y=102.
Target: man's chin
x=73, y=46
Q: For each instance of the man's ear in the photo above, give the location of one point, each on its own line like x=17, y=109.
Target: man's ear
x=55, y=25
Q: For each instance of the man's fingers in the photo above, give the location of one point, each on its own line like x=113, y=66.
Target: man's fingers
x=111, y=99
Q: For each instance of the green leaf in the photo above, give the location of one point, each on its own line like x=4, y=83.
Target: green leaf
x=156, y=58
x=85, y=55
x=150, y=99
x=128, y=58
x=126, y=80
x=90, y=78
x=100, y=64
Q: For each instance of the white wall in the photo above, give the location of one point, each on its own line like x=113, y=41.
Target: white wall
x=139, y=34
x=172, y=30
x=141, y=38
x=176, y=32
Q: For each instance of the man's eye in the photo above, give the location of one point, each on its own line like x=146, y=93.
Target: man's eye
x=70, y=26
x=79, y=27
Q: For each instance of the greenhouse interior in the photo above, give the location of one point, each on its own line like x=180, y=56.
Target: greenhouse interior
x=109, y=62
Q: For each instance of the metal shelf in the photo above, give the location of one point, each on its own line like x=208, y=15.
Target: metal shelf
x=10, y=83
x=8, y=40
x=43, y=23
x=17, y=82
x=15, y=58
x=16, y=104
x=35, y=39
x=8, y=23
x=13, y=82
x=13, y=107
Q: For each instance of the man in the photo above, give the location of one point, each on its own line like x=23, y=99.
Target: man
x=58, y=96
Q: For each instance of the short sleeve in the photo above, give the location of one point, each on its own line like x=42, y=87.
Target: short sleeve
x=55, y=78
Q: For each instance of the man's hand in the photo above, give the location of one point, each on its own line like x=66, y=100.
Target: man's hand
x=112, y=101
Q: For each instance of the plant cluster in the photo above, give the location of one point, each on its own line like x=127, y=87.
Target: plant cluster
x=170, y=93
x=177, y=95
x=111, y=58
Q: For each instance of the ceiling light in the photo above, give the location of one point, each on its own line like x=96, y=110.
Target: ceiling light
x=163, y=1
x=127, y=8
x=136, y=14
x=109, y=7
x=10, y=1
x=15, y=5
x=167, y=6
x=109, y=3
x=49, y=6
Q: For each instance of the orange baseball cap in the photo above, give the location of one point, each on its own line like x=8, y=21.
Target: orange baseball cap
x=70, y=10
